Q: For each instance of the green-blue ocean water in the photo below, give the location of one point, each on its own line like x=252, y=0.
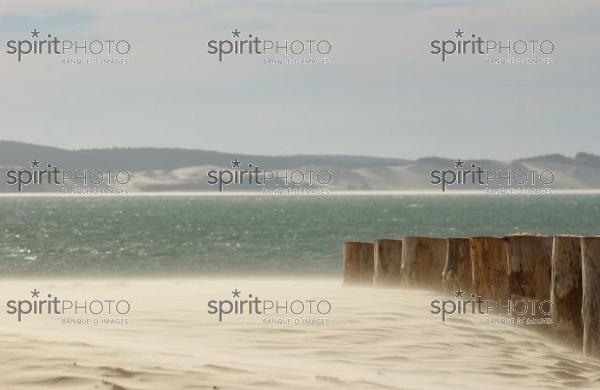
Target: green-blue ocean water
x=253, y=235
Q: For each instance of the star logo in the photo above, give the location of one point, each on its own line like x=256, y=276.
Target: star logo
x=236, y=33
x=459, y=293
x=235, y=163
x=35, y=163
x=458, y=163
x=35, y=293
x=236, y=293
x=35, y=33
x=459, y=33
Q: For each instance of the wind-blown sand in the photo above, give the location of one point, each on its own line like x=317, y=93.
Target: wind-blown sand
x=377, y=338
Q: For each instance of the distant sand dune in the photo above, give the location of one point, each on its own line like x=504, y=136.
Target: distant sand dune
x=377, y=339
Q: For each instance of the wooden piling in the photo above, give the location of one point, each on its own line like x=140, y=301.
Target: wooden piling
x=458, y=273
x=358, y=262
x=590, y=309
x=490, y=268
x=529, y=266
x=388, y=262
x=423, y=260
x=566, y=289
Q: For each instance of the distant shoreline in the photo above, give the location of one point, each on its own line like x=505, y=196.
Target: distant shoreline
x=261, y=194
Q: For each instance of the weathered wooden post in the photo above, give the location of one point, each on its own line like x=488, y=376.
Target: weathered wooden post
x=423, y=260
x=566, y=289
x=458, y=274
x=490, y=268
x=590, y=309
x=358, y=262
x=529, y=266
x=388, y=262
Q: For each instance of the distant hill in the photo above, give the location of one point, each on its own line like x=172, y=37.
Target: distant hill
x=165, y=169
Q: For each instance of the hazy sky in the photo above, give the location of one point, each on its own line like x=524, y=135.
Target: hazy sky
x=382, y=93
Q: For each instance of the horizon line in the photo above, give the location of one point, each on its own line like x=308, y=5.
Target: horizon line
x=289, y=155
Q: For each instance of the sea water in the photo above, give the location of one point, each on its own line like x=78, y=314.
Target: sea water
x=249, y=235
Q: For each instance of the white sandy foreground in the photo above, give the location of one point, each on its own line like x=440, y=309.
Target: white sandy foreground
x=374, y=339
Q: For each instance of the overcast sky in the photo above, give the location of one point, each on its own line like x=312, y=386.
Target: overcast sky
x=382, y=94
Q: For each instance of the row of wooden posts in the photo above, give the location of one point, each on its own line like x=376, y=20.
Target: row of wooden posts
x=562, y=269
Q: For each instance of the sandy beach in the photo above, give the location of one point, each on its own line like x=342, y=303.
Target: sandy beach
x=370, y=339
